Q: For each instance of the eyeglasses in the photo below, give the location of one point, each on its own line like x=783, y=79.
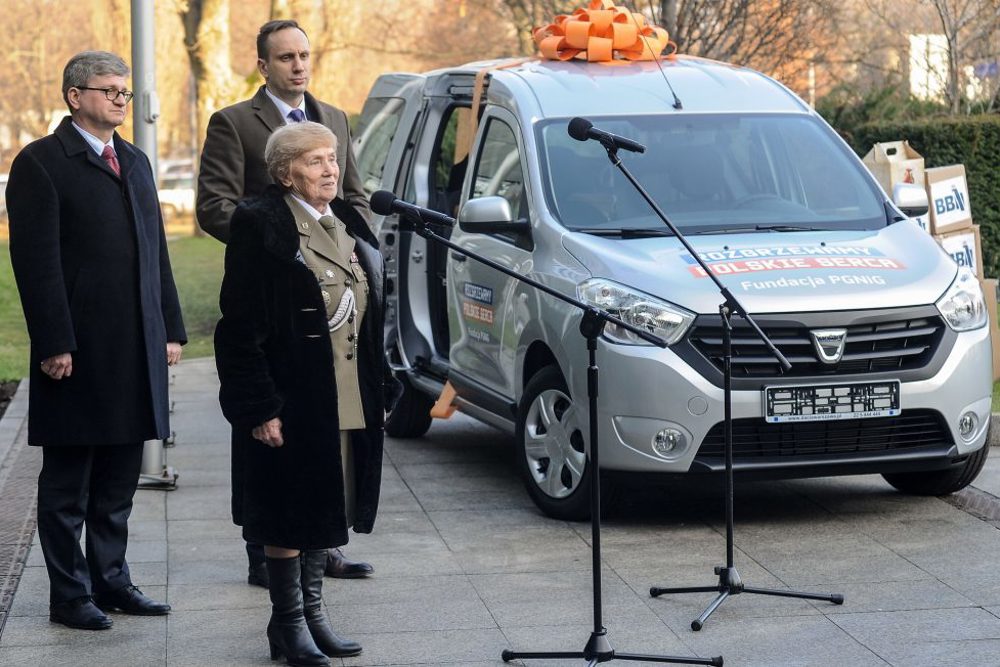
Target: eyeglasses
x=111, y=93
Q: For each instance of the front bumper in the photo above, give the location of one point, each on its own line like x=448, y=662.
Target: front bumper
x=645, y=389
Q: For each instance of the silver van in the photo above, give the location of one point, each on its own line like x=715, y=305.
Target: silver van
x=888, y=338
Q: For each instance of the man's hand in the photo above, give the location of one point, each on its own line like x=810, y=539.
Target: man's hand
x=173, y=353
x=59, y=366
x=270, y=433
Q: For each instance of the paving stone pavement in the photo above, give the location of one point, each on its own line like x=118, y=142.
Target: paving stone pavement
x=466, y=567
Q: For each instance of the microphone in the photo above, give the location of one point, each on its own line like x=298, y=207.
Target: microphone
x=384, y=202
x=582, y=129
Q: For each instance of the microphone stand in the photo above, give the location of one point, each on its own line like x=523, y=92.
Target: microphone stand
x=598, y=648
x=730, y=582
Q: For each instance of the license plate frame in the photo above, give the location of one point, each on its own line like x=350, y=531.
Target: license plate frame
x=826, y=401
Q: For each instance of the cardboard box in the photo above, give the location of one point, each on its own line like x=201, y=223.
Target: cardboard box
x=895, y=162
x=948, y=198
x=923, y=222
x=990, y=292
x=965, y=247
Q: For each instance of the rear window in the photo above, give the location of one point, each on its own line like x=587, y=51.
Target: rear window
x=710, y=172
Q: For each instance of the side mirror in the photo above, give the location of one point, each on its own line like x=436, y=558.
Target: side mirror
x=911, y=199
x=490, y=215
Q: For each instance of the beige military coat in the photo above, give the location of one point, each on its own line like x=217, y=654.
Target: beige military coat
x=328, y=250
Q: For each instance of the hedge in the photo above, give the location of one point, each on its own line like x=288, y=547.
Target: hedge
x=970, y=140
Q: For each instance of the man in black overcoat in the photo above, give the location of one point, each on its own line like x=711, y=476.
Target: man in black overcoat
x=232, y=167
x=90, y=259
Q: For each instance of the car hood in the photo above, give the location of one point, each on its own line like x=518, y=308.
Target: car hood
x=778, y=272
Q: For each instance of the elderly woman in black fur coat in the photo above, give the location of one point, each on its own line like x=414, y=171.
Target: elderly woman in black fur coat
x=304, y=380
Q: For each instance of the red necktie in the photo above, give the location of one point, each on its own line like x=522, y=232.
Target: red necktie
x=109, y=157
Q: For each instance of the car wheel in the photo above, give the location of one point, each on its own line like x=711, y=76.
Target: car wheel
x=411, y=417
x=551, y=452
x=170, y=213
x=941, y=482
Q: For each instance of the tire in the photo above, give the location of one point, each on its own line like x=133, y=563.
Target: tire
x=412, y=415
x=941, y=482
x=170, y=213
x=551, y=455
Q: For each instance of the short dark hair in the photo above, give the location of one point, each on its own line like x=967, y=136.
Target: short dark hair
x=269, y=29
x=85, y=65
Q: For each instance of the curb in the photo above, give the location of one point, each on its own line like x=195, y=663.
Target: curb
x=17, y=506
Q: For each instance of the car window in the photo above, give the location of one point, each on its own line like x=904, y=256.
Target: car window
x=175, y=183
x=376, y=129
x=499, y=170
x=711, y=171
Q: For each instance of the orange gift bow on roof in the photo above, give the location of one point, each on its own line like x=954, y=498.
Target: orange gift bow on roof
x=601, y=32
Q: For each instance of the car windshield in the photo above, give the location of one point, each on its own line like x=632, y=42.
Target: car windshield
x=710, y=173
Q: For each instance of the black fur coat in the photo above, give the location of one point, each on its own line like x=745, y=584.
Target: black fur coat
x=274, y=357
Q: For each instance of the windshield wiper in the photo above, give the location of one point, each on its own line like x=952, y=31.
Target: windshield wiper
x=756, y=228
x=787, y=228
x=626, y=233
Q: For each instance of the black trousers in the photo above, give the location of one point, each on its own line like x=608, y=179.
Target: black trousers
x=92, y=485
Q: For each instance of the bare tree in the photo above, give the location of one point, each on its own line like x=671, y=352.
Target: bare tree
x=40, y=37
x=782, y=37
x=525, y=15
x=970, y=29
x=206, y=36
x=966, y=24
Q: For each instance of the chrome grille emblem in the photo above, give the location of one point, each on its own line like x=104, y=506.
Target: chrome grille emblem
x=829, y=344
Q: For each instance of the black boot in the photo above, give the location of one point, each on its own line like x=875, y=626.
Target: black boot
x=313, y=565
x=287, y=632
x=257, y=571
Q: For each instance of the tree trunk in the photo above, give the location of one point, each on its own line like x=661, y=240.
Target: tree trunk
x=206, y=37
x=668, y=17
x=954, y=76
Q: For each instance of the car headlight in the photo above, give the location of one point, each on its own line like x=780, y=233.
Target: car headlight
x=648, y=313
x=963, y=306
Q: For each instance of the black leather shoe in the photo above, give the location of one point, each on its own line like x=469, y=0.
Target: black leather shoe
x=339, y=567
x=130, y=600
x=80, y=613
x=257, y=576
x=257, y=568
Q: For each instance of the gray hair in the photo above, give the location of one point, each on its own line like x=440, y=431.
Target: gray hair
x=84, y=66
x=291, y=141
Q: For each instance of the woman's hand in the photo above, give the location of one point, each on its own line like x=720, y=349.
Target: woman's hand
x=59, y=366
x=269, y=433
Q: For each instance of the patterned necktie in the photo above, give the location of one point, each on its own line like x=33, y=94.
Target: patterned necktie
x=296, y=115
x=109, y=156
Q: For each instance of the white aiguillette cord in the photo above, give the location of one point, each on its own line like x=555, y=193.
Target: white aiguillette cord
x=345, y=308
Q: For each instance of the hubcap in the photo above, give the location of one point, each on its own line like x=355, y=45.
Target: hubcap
x=553, y=444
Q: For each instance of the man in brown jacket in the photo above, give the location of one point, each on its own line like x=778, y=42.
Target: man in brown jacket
x=232, y=160
x=232, y=167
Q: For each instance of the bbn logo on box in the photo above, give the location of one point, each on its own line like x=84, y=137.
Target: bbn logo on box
x=964, y=256
x=952, y=202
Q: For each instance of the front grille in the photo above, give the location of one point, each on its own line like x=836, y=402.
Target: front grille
x=873, y=347
x=755, y=438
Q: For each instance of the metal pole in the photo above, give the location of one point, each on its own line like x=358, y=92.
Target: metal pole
x=154, y=472
x=147, y=105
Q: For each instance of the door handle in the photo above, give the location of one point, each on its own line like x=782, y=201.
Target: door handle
x=458, y=257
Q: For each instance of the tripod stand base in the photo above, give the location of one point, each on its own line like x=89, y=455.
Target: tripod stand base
x=599, y=650
x=730, y=583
